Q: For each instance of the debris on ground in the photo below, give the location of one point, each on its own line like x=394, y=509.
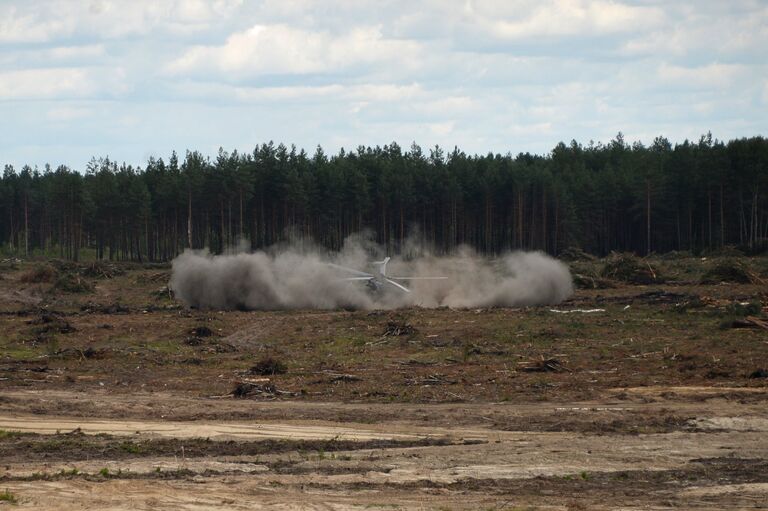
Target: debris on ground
x=396, y=328
x=163, y=292
x=543, y=365
x=114, y=308
x=759, y=373
x=584, y=281
x=51, y=323
x=72, y=283
x=257, y=387
x=198, y=335
x=750, y=322
x=629, y=268
x=486, y=349
x=246, y=388
x=413, y=362
x=731, y=271
x=571, y=311
x=661, y=296
x=431, y=379
x=161, y=276
x=202, y=331
x=40, y=273
x=269, y=366
x=102, y=270
x=194, y=341
x=343, y=378
x=571, y=254
x=692, y=302
x=88, y=353
x=676, y=254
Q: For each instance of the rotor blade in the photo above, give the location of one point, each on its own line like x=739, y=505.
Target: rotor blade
x=398, y=285
x=356, y=278
x=419, y=278
x=350, y=270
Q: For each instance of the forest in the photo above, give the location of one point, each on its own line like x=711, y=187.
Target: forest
x=600, y=197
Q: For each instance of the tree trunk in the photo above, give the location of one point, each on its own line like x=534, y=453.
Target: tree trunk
x=26, y=224
x=709, y=215
x=648, y=215
x=189, y=218
x=722, y=218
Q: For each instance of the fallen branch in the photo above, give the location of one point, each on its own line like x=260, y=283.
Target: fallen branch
x=545, y=365
x=750, y=322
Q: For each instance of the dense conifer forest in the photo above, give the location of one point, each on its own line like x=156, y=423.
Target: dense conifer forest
x=694, y=196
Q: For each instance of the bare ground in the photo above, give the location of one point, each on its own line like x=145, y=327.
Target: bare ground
x=119, y=399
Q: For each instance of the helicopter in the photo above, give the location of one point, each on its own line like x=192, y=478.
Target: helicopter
x=377, y=283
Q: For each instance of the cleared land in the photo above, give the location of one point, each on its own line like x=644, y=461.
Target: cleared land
x=113, y=396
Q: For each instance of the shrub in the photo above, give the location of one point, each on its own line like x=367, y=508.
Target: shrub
x=40, y=273
x=269, y=366
x=9, y=497
x=575, y=254
x=730, y=270
x=73, y=283
x=629, y=268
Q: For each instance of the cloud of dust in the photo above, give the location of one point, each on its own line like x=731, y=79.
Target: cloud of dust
x=298, y=276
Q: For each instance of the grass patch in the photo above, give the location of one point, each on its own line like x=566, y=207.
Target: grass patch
x=77, y=446
x=40, y=273
x=7, y=496
x=7, y=435
x=269, y=366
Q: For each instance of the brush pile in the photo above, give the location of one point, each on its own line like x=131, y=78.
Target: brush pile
x=40, y=273
x=102, y=270
x=72, y=283
x=731, y=271
x=397, y=328
x=631, y=269
x=572, y=254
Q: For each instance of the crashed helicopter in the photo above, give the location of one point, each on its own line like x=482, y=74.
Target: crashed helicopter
x=379, y=282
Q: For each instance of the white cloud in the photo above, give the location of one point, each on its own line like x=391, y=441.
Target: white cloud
x=55, y=83
x=715, y=75
x=281, y=49
x=375, y=93
x=50, y=20
x=67, y=113
x=29, y=27
x=481, y=74
x=88, y=51
x=709, y=30
x=46, y=83
x=441, y=129
x=566, y=18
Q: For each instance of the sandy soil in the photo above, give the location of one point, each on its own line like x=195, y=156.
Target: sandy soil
x=481, y=467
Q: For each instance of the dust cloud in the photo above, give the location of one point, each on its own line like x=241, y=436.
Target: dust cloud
x=299, y=276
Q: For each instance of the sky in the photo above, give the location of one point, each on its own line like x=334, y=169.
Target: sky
x=138, y=78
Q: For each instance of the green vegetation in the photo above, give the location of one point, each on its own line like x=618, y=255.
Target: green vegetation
x=9, y=497
x=4, y=435
x=72, y=283
x=39, y=273
x=690, y=197
x=269, y=366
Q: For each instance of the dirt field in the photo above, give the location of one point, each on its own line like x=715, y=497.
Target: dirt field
x=114, y=396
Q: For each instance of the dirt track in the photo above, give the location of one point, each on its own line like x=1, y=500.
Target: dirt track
x=712, y=460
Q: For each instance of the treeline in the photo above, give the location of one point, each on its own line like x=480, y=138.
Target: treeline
x=600, y=197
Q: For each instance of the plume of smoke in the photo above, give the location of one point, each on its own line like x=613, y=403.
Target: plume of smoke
x=293, y=276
